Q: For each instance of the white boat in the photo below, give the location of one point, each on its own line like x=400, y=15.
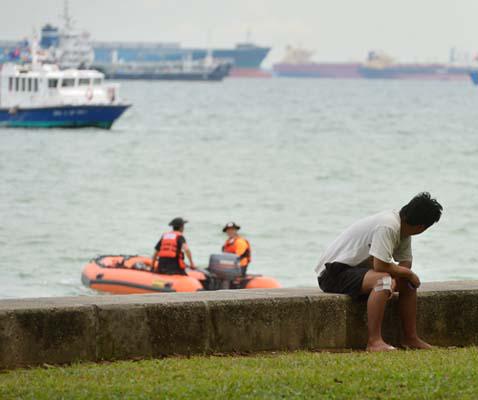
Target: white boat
x=43, y=95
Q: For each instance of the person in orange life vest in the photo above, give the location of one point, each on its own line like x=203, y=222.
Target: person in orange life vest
x=237, y=245
x=170, y=250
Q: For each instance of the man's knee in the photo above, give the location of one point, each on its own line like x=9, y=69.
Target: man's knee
x=404, y=285
x=384, y=283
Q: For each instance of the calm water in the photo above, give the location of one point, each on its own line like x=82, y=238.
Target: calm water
x=292, y=161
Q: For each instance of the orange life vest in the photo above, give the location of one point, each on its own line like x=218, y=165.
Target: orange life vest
x=231, y=247
x=169, y=247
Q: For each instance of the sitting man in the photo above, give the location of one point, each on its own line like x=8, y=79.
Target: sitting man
x=360, y=263
x=169, y=255
x=236, y=244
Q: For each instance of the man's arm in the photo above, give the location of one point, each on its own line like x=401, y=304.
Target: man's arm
x=402, y=270
x=186, y=250
x=241, y=247
x=406, y=264
x=156, y=254
x=155, y=259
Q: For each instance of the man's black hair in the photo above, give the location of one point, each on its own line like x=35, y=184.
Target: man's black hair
x=421, y=210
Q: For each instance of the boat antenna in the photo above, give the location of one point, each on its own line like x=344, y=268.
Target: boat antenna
x=34, y=49
x=66, y=14
x=209, y=59
x=248, y=35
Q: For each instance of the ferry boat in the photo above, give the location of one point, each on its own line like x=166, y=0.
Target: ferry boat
x=41, y=95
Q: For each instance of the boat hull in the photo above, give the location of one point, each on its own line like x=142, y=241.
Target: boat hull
x=99, y=116
x=249, y=73
x=317, y=70
x=118, y=275
x=434, y=72
x=130, y=281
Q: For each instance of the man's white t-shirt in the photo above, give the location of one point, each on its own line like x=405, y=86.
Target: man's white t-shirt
x=377, y=236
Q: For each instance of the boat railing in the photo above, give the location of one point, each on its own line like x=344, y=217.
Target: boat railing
x=112, y=92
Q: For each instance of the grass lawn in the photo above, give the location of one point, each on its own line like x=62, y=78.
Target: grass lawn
x=437, y=374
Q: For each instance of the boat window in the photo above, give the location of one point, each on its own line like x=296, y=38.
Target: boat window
x=30, y=86
x=68, y=82
x=97, y=81
x=52, y=83
x=84, y=81
x=23, y=84
x=17, y=84
x=10, y=84
x=35, y=84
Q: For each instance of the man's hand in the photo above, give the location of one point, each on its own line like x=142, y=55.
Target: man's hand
x=414, y=280
x=397, y=271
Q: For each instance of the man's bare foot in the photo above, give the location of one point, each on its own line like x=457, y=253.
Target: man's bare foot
x=416, y=344
x=379, y=346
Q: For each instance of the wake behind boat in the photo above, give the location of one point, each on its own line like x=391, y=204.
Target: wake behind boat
x=41, y=95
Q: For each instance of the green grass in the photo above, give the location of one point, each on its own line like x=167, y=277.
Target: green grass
x=437, y=374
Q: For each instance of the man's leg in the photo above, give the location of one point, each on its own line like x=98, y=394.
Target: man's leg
x=376, y=303
x=407, y=305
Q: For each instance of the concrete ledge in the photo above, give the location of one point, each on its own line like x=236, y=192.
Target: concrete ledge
x=63, y=330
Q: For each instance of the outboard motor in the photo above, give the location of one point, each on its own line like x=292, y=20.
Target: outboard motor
x=224, y=268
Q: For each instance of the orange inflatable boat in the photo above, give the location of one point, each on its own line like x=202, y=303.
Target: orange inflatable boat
x=132, y=274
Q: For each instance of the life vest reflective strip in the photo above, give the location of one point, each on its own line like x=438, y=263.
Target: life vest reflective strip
x=231, y=247
x=169, y=247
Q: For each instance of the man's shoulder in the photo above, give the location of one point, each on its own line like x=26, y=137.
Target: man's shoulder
x=243, y=242
x=387, y=219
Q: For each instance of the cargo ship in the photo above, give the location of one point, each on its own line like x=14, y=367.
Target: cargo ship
x=71, y=48
x=246, y=58
x=381, y=66
x=206, y=69
x=298, y=63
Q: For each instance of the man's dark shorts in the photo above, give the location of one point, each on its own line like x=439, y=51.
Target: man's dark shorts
x=170, y=266
x=342, y=278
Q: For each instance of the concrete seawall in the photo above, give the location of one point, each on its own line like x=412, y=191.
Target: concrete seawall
x=69, y=329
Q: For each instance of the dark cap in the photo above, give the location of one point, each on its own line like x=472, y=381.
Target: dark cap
x=231, y=225
x=178, y=222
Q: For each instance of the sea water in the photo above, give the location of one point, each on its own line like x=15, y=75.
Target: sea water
x=294, y=162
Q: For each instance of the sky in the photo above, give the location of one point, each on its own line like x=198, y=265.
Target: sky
x=336, y=30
